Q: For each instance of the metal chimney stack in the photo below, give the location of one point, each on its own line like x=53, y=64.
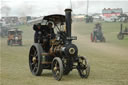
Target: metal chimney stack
x=68, y=21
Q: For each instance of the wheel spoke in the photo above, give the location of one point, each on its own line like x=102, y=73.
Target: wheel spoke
x=84, y=72
x=57, y=73
x=35, y=53
x=56, y=64
x=32, y=64
x=34, y=69
x=34, y=49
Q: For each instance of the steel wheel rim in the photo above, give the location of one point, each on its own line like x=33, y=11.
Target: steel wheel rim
x=56, y=69
x=83, y=65
x=33, y=64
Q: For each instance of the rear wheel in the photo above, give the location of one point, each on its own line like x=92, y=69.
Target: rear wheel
x=35, y=60
x=92, y=37
x=83, y=67
x=57, y=68
x=11, y=42
x=8, y=42
x=95, y=39
x=120, y=36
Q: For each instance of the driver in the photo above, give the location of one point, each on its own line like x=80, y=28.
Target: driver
x=50, y=30
x=37, y=29
x=97, y=29
x=49, y=35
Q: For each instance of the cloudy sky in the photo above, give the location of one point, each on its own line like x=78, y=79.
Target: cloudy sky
x=44, y=7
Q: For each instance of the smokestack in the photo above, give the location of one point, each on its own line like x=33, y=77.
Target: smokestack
x=68, y=21
x=121, y=26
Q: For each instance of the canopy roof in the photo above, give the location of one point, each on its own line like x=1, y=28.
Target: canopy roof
x=56, y=18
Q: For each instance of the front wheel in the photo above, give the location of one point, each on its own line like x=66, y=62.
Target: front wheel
x=83, y=67
x=57, y=68
x=20, y=43
x=103, y=39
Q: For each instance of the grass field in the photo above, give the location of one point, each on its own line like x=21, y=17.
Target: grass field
x=108, y=61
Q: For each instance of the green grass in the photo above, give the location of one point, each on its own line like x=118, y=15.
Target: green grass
x=108, y=61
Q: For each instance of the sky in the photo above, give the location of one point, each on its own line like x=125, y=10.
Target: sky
x=44, y=7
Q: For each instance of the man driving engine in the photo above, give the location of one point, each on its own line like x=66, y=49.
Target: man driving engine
x=50, y=30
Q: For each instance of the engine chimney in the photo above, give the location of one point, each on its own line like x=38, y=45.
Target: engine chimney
x=121, y=26
x=68, y=21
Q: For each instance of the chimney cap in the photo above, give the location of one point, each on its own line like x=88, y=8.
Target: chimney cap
x=68, y=9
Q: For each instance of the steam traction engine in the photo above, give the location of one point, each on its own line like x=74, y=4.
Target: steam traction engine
x=122, y=32
x=62, y=55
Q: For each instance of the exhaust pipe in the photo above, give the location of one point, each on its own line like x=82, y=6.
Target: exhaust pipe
x=68, y=21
